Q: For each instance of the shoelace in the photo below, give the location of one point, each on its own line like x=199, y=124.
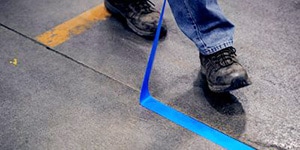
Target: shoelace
x=142, y=7
x=225, y=58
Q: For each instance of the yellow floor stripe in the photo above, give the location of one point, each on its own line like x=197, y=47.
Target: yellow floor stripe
x=75, y=26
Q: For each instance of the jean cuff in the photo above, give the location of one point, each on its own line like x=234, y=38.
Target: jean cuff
x=211, y=50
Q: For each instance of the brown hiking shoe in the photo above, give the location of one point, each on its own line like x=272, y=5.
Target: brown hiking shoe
x=140, y=15
x=223, y=72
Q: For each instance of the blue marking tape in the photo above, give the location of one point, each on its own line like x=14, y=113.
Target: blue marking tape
x=147, y=101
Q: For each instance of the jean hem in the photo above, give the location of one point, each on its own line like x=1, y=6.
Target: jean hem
x=211, y=50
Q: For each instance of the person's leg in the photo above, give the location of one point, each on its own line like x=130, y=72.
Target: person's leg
x=204, y=23
x=140, y=15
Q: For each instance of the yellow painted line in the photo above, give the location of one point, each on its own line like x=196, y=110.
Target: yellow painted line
x=75, y=26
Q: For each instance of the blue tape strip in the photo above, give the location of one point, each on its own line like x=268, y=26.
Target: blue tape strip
x=177, y=117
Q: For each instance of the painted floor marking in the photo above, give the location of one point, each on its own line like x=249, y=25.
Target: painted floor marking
x=180, y=118
x=75, y=26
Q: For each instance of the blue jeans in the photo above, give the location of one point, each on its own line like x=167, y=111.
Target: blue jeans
x=203, y=22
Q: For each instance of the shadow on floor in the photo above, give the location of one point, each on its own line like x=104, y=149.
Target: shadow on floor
x=224, y=103
x=222, y=111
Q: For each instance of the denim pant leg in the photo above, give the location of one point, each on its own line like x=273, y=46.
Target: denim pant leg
x=204, y=23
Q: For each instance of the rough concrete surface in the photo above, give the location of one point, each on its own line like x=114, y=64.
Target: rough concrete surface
x=83, y=94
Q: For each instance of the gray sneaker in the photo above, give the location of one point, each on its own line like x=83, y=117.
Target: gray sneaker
x=223, y=72
x=140, y=16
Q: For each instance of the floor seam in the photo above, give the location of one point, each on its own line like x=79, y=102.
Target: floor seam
x=68, y=57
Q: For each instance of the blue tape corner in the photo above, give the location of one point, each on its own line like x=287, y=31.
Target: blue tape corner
x=147, y=101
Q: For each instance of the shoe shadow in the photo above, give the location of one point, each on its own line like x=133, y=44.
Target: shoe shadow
x=224, y=103
x=221, y=111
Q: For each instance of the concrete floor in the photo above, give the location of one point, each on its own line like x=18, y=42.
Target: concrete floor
x=83, y=94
